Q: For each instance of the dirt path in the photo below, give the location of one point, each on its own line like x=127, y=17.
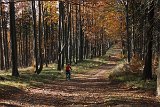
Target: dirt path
x=91, y=89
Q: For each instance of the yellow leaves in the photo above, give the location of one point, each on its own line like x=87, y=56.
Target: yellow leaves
x=113, y=24
x=104, y=15
x=50, y=8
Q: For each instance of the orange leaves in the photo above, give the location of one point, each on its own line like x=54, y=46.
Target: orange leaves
x=113, y=24
x=104, y=14
x=136, y=64
x=50, y=9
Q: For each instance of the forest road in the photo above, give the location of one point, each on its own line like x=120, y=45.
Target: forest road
x=90, y=89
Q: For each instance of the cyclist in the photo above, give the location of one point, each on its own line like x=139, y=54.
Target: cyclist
x=68, y=72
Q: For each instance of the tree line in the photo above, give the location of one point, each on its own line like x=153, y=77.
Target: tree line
x=142, y=32
x=37, y=33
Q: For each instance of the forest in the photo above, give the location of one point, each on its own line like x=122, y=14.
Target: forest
x=112, y=46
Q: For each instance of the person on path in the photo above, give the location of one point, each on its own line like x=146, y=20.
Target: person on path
x=68, y=72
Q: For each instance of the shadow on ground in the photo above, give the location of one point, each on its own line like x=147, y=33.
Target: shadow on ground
x=91, y=92
x=8, y=105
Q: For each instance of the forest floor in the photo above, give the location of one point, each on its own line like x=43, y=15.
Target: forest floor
x=89, y=86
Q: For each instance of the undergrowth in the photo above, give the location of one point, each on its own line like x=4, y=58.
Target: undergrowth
x=29, y=78
x=133, y=80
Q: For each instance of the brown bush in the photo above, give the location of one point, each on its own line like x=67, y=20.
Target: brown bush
x=136, y=64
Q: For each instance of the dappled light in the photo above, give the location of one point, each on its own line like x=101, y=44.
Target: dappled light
x=79, y=53
x=97, y=86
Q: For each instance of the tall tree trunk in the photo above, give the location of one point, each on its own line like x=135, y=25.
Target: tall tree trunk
x=13, y=40
x=40, y=41
x=76, y=37
x=20, y=44
x=6, y=46
x=70, y=33
x=81, y=36
x=59, y=37
x=63, y=34
x=1, y=43
x=46, y=43
x=128, y=36
x=133, y=28
x=73, y=36
x=26, y=48
x=66, y=36
x=35, y=36
x=147, y=72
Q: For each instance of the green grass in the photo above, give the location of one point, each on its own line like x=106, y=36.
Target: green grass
x=87, y=65
x=29, y=79
x=134, y=80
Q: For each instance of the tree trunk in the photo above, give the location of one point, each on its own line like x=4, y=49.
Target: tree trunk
x=59, y=37
x=40, y=41
x=76, y=37
x=35, y=36
x=70, y=33
x=81, y=36
x=6, y=46
x=128, y=36
x=13, y=40
x=158, y=77
x=147, y=72
x=1, y=44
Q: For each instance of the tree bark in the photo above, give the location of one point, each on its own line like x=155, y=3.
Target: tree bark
x=147, y=72
x=1, y=43
x=13, y=40
x=59, y=67
x=128, y=36
x=35, y=37
x=40, y=41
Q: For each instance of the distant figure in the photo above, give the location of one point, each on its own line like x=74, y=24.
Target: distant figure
x=68, y=72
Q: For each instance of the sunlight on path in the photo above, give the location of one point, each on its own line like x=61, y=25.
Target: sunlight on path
x=91, y=89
